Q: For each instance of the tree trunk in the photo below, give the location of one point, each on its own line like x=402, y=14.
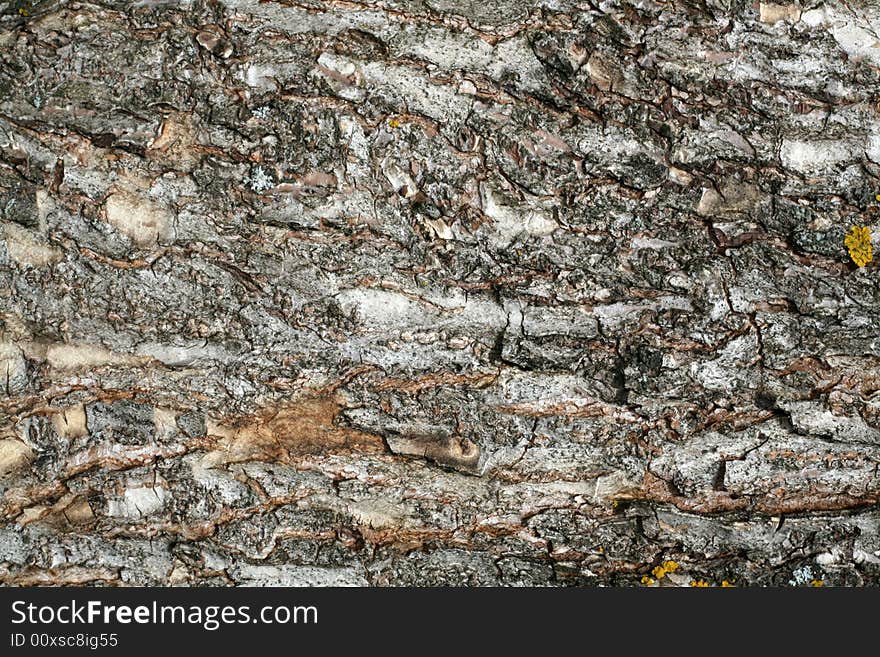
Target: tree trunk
x=438, y=292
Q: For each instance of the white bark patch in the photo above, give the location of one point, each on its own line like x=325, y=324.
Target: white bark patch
x=138, y=502
x=856, y=35
x=814, y=419
x=342, y=66
x=247, y=575
x=679, y=176
x=400, y=180
x=614, y=485
x=27, y=248
x=71, y=356
x=377, y=514
x=164, y=421
x=613, y=315
x=510, y=222
x=723, y=373
x=450, y=50
x=13, y=369
x=380, y=307
x=651, y=243
x=138, y=218
x=816, y=157
x=770, y=12
x=544, y=321
x=441, y=102
x=181, y=355
x=515, y=55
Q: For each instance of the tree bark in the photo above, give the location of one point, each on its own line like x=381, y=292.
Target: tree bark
x=438, y=292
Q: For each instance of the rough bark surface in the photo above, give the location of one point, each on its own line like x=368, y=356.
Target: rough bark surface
x=438, y=292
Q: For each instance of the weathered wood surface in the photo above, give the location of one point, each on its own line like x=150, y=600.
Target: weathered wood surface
x=446, y=292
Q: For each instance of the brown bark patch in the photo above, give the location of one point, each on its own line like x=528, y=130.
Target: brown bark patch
x=779, y=501
x=67, y=514
x=453, y=451
x=286, y=430
x=14, y=456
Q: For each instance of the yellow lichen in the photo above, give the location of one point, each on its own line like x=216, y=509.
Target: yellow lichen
x=394, y=123
x=858, y=242
x=667, y=567
x=816, y=583
x=699, y=583
x=648, y=581
x=726, y=585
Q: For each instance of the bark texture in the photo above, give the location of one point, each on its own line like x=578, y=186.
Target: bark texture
x=438, y=292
